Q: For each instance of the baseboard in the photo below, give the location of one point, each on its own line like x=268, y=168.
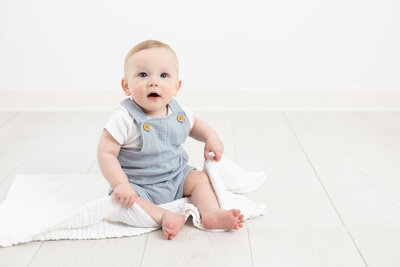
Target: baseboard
x=208, y=100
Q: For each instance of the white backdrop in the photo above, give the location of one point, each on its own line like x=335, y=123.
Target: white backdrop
x=221, y=45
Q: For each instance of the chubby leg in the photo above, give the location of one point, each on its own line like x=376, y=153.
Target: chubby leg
x=170, y=222
x=198, y=186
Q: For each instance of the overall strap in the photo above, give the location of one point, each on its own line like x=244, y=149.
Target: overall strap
x=175, y=107
x=134, y=110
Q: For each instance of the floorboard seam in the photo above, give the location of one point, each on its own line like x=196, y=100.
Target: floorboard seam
x=91, y=165
x=251, y=251
x=37, y=251
x=322, y=185
x=10, y=119
x=144, y=250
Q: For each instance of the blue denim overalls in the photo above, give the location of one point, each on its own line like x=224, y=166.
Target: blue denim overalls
x=158, y=170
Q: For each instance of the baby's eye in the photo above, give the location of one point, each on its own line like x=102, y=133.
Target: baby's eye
x=164, y=75
x=142, y=74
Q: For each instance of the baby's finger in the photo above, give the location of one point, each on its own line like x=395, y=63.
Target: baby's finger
x=217, y=156
x=131, y=201
x=206, y=155
x=125, y=201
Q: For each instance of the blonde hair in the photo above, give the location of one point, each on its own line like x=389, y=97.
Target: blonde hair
x=147, y=45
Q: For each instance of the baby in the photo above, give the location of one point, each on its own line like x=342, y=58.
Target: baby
x=140, y=153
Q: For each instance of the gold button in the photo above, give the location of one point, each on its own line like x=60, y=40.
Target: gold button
x=180, y=118
x=146, y=127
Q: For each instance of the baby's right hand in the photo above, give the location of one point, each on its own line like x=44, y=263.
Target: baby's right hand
x=124, y=194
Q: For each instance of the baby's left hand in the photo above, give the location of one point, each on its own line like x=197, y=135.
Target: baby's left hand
x=213, y=144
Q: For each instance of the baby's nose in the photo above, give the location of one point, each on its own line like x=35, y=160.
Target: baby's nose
x=153, y=83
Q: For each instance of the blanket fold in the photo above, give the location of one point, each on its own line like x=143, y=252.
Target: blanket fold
x=62, y=206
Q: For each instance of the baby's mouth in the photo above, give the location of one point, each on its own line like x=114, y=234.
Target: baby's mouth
x=153, y=95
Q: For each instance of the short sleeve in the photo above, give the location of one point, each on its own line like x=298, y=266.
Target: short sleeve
x=120, y=125
x=189, y=114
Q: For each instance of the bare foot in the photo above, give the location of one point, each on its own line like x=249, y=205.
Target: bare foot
x=222, y=219
x=171, y=224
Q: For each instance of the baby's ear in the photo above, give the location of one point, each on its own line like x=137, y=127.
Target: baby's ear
x=178, y=87
x=124, y=84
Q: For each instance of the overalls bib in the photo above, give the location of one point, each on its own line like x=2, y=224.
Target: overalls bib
x=158, y=170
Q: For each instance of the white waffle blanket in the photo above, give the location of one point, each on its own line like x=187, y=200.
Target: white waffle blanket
x=53, y=207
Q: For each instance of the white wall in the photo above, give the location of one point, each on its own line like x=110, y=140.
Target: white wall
x=240, y=45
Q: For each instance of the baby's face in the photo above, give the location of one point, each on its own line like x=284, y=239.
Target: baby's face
x=151, y=79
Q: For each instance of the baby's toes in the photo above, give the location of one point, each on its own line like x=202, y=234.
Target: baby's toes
x=168, y=236
x=236, y=213
x=237, y=227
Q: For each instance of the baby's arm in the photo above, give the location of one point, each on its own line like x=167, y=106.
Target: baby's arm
x=107, y=152
x=204, y=133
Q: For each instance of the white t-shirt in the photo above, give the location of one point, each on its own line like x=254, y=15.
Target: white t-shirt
x=126, y=131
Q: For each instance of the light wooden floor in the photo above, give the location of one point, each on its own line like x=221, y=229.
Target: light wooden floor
x=333, y=198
